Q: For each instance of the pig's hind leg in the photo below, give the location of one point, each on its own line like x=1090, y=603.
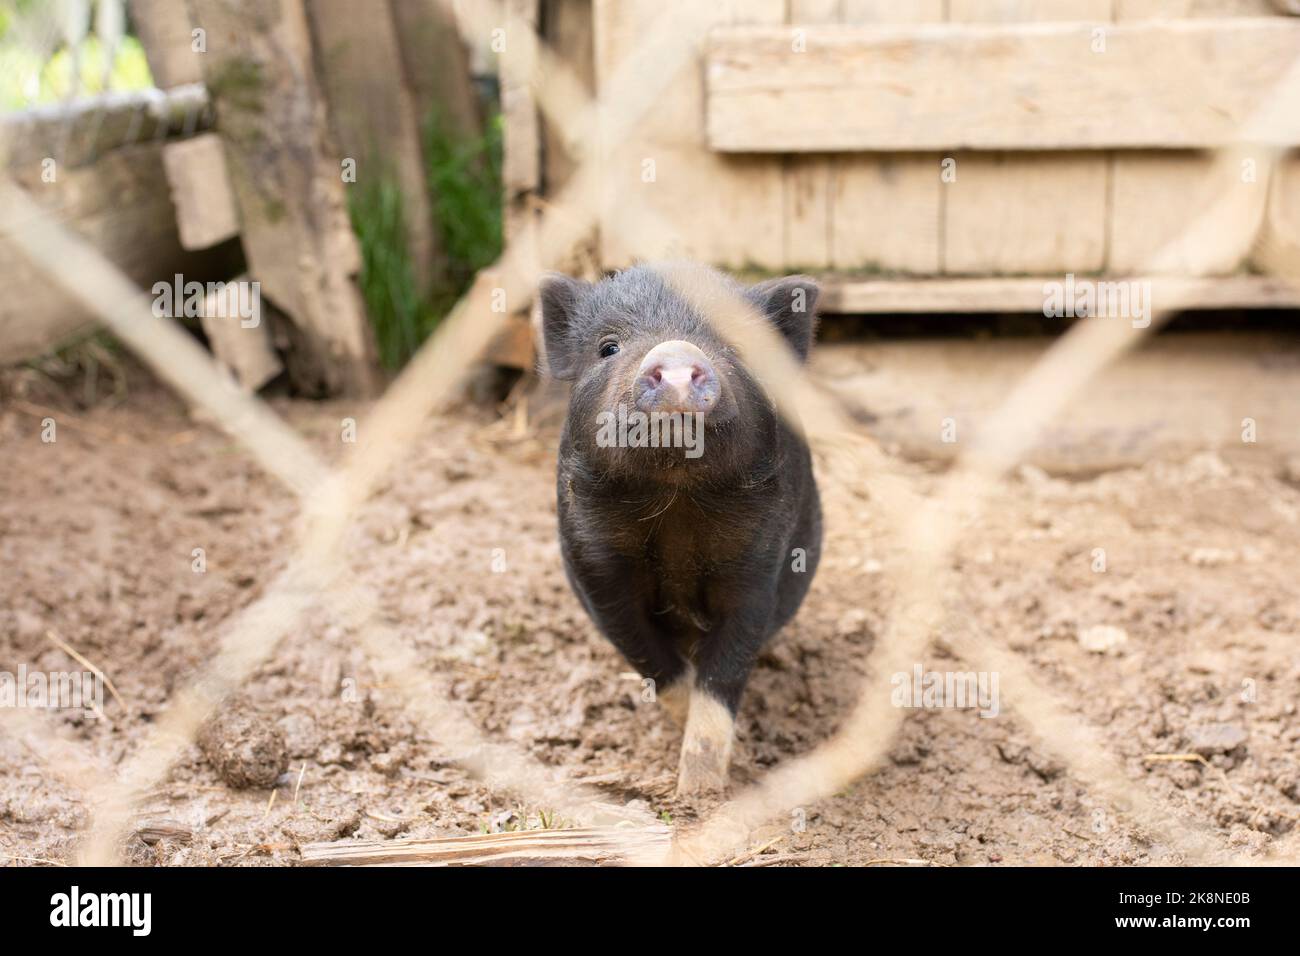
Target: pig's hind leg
x=616, y=593
x=652, y=654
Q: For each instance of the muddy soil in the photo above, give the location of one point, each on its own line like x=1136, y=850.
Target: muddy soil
x=1201, y=534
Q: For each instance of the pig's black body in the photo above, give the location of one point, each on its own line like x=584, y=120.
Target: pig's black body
x=681, y=560
x=701, y=573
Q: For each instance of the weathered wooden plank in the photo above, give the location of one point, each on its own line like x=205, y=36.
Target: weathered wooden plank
x=521, y=173
x=1278, y=249
x=116, y=205
x=719, y=209
x=1186, y=9
x=243, y=348
x=372, y=113
x=521, y=168
x=808, y=191
x=436, y=65
x=808, y=180
x=1028, y=11
x=1017, y=86
x=1025, y=294
x=886, y=212
x=289, y=185
x=569, y=35
x=893, y=11
x=78, y=133
x=1025, y=212
x=1158, y=196
x=589, y=845
x=165, y=32
x=1012, y=214
x=200, y=185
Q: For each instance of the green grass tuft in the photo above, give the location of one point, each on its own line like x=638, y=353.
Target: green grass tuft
x=397, y=310
x=464, y=183
x=466, y=194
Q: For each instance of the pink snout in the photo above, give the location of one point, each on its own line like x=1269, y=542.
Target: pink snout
x=676, y=376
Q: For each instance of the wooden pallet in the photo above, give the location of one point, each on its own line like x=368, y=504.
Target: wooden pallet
x=815, y=136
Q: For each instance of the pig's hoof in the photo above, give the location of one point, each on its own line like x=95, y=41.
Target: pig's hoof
x=697, y=778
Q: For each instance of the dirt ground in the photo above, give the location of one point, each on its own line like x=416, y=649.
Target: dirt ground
x=1199, y=528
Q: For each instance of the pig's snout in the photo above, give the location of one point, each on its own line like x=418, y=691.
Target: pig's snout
x=676, y=376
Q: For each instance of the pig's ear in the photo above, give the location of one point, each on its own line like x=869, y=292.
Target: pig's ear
x=791, y=305
x=561, y=297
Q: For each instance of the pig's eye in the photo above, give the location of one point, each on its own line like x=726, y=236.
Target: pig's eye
x=608, y=348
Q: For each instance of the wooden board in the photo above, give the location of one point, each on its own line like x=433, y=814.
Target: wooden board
x=164, y=29
x=886, y=210
x=720, y=209
x=78, y=133
x=1029, y=11
x=586, y=845
x=569, y=35
x=200, y=187
x=372, y=114
x=809, y=183
x=1186, y=9
x=1278, y=250
x=849, y=296
x=521, y=167
x=246, y=352
x=289, y=186
x=1023, y=213
x=977, y=86
x=436, y=65
x=1157, y=197
x=118, y=205
x=1017, y=213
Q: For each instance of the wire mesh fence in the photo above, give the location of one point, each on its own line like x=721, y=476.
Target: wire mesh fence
x=927, y=527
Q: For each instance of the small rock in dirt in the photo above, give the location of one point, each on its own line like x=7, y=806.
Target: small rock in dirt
x=907, y=753
x=301, y=735
x=1251, y=840
x=1213, y=739
x=244, y=748
x=390, y=762
x=331, y=753
x=1290, y=786
x=1048, y=768
x=1102, y=639
x=853, y=623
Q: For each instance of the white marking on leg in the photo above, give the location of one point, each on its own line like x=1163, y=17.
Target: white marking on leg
x=676, y=697
x=706, y=747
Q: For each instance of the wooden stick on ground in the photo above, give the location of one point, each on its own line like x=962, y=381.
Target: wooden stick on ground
x=594, y=845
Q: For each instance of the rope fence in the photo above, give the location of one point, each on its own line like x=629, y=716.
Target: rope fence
x=927, y=529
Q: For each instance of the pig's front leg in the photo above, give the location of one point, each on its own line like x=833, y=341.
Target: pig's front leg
x=706, y=745
x=723, y=660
